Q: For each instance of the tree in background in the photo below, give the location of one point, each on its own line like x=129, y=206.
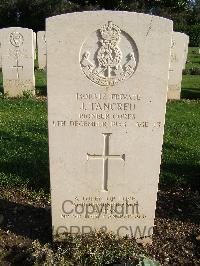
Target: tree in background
x=32, y=13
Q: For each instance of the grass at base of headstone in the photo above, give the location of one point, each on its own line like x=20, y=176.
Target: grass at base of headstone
x=181, y=149
x=91, y=249
x=191, y=83
x=190, y=87
x=40, y=79
x=26, y=234
x=193, y=58
x=1, y=83
x=24, y=143
x=41, y=82
x=24, y=180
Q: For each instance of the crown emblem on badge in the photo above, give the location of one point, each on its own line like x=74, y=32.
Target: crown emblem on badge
x=110, y=31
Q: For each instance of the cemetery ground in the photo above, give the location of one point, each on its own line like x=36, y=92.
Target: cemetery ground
x=25, y=219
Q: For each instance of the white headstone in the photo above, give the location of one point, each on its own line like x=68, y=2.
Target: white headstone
x=0, y=49
x=42, y=53
x=187, y=39
x=177, y=64
x=107, y=88
x=18, y=61
x=35, y=45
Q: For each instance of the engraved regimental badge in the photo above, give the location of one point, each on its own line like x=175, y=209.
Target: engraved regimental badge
x=16, y=39
x=109, y=56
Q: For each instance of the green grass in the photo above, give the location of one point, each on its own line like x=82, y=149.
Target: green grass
x=1, y=82
x=191, y=83
x=23, y=143
x=41, y=82
x=193, y=59
x=24, y=163
x=181, y=150
x=190, y=87
x=24, y=138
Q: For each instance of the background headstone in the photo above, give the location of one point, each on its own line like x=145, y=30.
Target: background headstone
x=107, y=87
x=185, y=50
x=35, y=45
x=42, y=53
x=177, y=64
x=0, y=50
x=18, y=60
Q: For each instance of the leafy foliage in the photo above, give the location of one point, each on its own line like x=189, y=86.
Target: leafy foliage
x=32, y=13
x=91, y=249
x=193, y=31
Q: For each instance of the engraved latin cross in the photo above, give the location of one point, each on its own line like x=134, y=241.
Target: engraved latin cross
x=18, y=67
x=105, y=157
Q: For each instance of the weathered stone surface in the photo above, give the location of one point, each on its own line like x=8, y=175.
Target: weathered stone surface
x=187, y=39
x=35, y=45
x=18, y=61
x=179, y=51
x=0, y=50
x=107, y=89
x=42, y=50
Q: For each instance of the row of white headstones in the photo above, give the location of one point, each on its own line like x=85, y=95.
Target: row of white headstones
x=18, y=51
x=108, y=76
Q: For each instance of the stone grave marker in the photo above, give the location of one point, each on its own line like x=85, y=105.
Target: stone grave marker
x=177, y=64
x=18, y=61
x=42, y=54
x=35, y=45
x=187, y=39
x=107, y=75
x=0, y=50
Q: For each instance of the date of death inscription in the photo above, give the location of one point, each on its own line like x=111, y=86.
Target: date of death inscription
x=105, y=110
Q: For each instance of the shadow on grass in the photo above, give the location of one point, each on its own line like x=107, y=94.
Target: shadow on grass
x=41, y=90
x=190, y=94
x=177, y=203
x=26, y=220
x=178, y=172
x=25, y=161
x=188, y=173
x=1, y=88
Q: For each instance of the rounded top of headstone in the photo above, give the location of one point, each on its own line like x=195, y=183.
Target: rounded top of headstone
x=109, y=12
